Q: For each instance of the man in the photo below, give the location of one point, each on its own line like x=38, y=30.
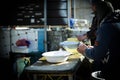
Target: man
x=91, y=34
x=106, y=48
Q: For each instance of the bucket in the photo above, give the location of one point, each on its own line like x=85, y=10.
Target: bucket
x=96, y=75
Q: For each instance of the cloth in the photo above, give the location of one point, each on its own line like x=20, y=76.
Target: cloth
x=23, y=42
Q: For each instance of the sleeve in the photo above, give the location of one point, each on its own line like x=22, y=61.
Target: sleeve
x=101, y=46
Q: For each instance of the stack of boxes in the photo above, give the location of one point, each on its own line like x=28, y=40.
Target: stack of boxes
x=8, y=40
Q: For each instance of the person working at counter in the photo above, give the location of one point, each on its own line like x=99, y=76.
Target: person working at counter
x=106, y=47
x=91, y=34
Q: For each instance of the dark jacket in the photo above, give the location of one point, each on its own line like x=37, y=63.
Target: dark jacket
x=107, y=47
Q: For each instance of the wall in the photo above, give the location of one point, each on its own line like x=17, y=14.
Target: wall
x=82, y=10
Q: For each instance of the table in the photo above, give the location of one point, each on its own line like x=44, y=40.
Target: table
x=49, y=70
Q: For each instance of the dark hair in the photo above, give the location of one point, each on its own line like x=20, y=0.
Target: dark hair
x=103, y=9
x=94, y=2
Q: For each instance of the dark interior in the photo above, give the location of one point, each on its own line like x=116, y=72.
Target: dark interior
x=8, y=15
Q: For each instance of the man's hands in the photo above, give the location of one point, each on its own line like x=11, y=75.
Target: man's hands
x=81, y=48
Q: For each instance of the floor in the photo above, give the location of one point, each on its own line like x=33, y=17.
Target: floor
x=5, y=70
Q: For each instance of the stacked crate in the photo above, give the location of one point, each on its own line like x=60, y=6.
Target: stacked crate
x=9, y=37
